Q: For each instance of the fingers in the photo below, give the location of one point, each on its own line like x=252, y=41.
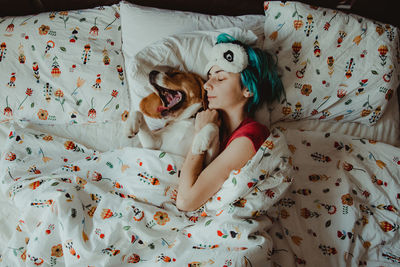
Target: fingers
x=205, y=117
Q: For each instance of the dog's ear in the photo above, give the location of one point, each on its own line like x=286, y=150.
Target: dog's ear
x=150, y=104
x=203, y=92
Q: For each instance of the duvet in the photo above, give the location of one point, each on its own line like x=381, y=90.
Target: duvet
x=79, y=207
x=342, y=208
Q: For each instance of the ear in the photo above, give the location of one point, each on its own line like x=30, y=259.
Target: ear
x=203, y=92
x=247, y=93
x=149, y=106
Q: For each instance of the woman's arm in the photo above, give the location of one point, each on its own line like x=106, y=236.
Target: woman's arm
x=196, y=185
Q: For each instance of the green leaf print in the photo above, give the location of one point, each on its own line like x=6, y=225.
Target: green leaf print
x=234, y=181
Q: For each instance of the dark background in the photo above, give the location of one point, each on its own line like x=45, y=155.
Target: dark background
x=380, y=10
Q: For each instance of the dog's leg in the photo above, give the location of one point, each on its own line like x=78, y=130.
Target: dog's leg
x=207, y=140
x=145, y=135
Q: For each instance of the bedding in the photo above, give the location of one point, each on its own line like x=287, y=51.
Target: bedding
x=336, y=66
x=84, y=207
x=75, y=192
x=342, y=208
x=186, y=52
x=63, y=67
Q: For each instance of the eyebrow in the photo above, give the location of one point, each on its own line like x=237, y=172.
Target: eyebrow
x=209, y=74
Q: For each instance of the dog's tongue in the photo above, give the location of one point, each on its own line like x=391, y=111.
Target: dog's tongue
x=162, y=109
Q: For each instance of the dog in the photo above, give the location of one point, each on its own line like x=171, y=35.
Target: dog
x=177, y=97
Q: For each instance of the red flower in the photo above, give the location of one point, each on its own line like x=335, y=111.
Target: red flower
x=10, y=28
x=28, y=91
x=8, y=111
x=341, y=93
x=114, y=93
x=347, y=166
x=92, y=113
x=94, y=31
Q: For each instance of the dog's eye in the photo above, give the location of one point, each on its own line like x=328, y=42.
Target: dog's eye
x=172, y=74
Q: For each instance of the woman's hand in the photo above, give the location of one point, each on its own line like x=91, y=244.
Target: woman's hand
x=205, y=117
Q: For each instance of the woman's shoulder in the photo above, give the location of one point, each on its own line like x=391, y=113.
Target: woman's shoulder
x=255, y=131
x=252, y=126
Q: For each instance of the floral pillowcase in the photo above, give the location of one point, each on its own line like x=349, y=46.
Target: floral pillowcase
x=63, y=67
x=335, y=66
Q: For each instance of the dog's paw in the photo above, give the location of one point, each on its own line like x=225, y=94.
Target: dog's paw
x=204, y=138
x=136, y=121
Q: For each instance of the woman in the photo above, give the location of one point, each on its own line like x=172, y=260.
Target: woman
x=240, y=79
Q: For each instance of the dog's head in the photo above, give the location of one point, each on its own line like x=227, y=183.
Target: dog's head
x=174, y=92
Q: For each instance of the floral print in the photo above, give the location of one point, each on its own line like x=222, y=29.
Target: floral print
x=318, y=50
x=121, y=203
x=60, y=51
x=333, y=205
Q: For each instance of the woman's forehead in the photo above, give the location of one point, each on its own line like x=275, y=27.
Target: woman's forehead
x=215, y=69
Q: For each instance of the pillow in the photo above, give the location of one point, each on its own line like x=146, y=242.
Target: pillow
x=186, y=52
x=335, y=66
x=142, y=26
x=63, y=67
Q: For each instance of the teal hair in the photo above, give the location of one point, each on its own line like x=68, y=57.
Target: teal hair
x=260, y=76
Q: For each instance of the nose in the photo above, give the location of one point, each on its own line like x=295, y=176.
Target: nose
x=208, y=85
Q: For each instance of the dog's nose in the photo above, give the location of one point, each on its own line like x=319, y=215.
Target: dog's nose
x=153, y=75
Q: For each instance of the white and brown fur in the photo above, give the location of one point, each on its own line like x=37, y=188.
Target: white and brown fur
x=177, y=97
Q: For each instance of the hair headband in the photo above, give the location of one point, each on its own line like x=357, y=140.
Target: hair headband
x=231, y=57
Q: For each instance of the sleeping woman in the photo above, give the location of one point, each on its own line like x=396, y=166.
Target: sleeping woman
x=240, y=79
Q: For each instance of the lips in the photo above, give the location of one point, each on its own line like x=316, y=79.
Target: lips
x=171, y=99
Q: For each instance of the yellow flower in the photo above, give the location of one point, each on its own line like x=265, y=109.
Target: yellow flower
x=124, y=167
x=46, y=159
x=161, y=218
x=268, y=144
x=357, y=39
x=380, y=164
x=338, y=118
x=273, y=35
x=47, y=138
x=42, y=114
x=297, y=240
x=84, y=236
x=347, y=200
x=79, y=82
x=292, y=148
x=125, y=115
x=57, y=251
x=366, y=244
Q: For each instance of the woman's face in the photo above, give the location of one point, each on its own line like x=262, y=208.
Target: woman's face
x=224, y=90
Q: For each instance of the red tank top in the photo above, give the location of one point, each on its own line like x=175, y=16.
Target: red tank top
x=255, y=131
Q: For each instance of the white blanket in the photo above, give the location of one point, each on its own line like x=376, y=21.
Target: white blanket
x=342, y=208
x=78, y=207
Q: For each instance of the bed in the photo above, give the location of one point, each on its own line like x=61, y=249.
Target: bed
x=323, y=189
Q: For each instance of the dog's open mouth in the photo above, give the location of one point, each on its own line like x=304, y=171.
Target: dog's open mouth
x=171, y=99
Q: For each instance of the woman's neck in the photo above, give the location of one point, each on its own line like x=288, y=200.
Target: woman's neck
x=231, y=120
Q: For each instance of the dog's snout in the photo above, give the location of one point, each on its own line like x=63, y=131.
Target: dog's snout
x=152, y=75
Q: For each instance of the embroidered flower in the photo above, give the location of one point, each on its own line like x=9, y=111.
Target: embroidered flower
x=42, y=114
x=57, y=251
x=44, y=29
x=347, y=200
x=161, y=217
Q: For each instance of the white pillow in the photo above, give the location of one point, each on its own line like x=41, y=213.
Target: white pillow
x=142, y=26
x=186, y=52
x=336, y=66
x=80, y=75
